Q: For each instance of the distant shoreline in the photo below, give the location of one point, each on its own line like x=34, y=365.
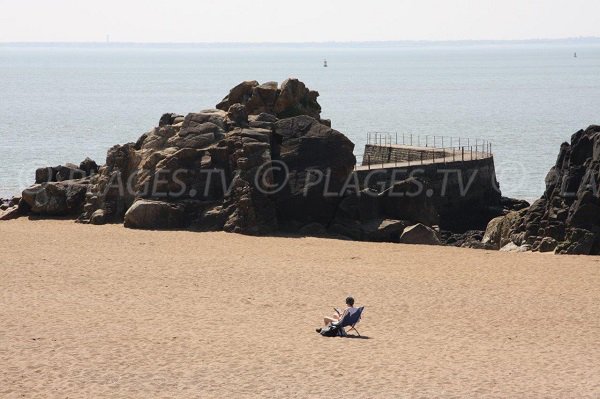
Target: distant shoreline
x=347, y=44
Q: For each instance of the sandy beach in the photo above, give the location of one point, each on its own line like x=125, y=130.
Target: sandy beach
x=104, y=311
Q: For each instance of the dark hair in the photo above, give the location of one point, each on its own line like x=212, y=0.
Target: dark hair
x=350, y=301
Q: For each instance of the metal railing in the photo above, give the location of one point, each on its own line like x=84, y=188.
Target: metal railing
x=431, y=149
x=387, y=139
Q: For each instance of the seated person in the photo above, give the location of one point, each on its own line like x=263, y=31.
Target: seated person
x=340, y=315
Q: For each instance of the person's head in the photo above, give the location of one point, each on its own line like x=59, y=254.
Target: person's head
x=350, y=301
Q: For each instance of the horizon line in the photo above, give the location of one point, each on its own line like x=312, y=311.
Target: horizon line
x=336, y=42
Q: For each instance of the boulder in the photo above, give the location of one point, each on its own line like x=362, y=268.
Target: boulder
x=512, y=247
x=56, y=198
x=419, y=234
x=383, y=230
x=9, y=213
x=547, y=244
x=147, y=214
x=292, y=99
x=89, y=167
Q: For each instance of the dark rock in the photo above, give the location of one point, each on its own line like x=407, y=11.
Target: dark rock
x=547, y=244
x=320, y=161
x=147, y=214
x=383, y=230
x=89, y=167
x=56, y=198
x=512, y=204
x=98, y=217
x=568, y=214
x=577, y=242
x=9, y=213
x=169, y=119
x=420, y=234
x=58, y=173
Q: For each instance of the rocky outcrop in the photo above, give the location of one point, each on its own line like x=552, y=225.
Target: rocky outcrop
x=260, y=162
x=566, y=218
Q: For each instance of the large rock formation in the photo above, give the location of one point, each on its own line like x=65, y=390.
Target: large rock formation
x=567, y=217
x=260, y=162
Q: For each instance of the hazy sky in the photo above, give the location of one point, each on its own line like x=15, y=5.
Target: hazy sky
x=298, y=21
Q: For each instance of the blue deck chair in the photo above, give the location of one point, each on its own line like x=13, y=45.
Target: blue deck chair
x=350, y=320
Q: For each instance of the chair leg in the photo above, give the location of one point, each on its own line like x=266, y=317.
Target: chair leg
x=354, y=328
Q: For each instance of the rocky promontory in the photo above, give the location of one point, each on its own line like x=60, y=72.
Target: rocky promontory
x=566, y=219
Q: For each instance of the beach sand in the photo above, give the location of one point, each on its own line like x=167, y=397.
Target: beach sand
x=104, y=311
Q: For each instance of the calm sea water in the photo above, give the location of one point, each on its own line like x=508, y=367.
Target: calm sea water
x=60, y=104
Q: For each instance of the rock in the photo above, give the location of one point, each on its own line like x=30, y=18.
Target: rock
x=9, y=213
x=500, y=231
x=169, y=119
x=569, y=211
x=58, y=173
x=419, y=234
x=319, y=160
x=239, y=94
x=547, y=244
x=577, y=242
x=512, y=247
x=383, y=230
x=237, y=115
x=56, y=198
x=292, y=99
x=89, y=167
x=98, y=217
x=295, y=99
x=512, y=204
x=147, y=214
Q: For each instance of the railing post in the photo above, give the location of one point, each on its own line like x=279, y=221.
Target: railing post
x=433, y=153
x=426, y=140
x=369, y=161
x=463, y=153
x=421, y=152
x=471, y=152
x=453, y=154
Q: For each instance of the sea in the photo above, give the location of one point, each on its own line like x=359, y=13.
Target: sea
x=64, y=102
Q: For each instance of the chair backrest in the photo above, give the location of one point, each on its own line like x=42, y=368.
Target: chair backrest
x=352, y=317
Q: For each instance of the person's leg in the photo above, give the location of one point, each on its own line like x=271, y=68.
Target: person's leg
x=328, y=320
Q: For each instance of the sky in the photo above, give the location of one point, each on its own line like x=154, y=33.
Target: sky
x=298, y=21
